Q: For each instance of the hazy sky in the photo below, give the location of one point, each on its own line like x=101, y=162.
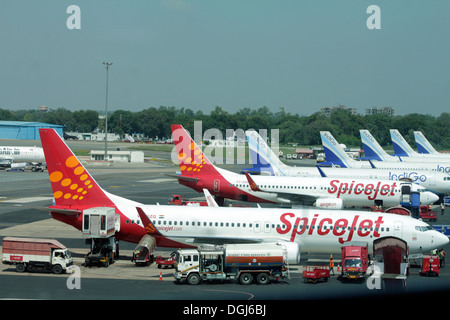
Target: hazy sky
x=198, y=54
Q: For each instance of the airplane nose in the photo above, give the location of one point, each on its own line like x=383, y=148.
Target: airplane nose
x=440, y=240
x=434, y=197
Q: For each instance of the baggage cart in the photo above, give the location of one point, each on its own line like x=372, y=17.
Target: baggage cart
x=313, y=274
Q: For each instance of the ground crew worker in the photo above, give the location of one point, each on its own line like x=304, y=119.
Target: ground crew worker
x=331, y=265
x=442, y=208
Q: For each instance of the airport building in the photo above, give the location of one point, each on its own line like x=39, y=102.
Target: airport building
x=22, y=130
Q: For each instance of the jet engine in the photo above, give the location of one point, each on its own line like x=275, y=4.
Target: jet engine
x=293, y=251
x=330, y=203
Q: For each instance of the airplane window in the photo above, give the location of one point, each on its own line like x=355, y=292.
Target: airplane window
x=243, y=225
x=217, y=224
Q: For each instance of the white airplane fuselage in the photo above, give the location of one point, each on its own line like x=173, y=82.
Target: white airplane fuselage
x=353, y=192
x=314, y=230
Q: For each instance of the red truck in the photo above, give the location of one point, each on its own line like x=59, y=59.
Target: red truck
x=355, y=260
x=30, y=253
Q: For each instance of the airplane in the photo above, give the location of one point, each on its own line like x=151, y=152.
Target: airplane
x=198, y=173
x=19, y=157
x=337, y=193
x=425, y=147
x=336, y=156
x=404, y=150
x=297, y=230
x=267, y=163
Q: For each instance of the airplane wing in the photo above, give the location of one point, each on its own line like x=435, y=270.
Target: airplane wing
x=289, y=197
x=68, y=212
x=180, y=177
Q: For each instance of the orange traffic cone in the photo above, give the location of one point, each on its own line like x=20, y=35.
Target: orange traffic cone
x=160, y=276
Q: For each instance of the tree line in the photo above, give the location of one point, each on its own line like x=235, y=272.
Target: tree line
x=293, y=128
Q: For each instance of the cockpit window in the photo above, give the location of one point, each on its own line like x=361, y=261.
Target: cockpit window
x=423, y=228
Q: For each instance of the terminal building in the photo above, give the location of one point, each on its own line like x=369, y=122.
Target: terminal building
x=22, y=130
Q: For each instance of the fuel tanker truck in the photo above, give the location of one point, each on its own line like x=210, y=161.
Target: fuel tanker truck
x=244, y=262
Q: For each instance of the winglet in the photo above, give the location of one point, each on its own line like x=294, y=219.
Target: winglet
x=209, y=198
x=252, y=183
x=321, y=172
x=148, y=225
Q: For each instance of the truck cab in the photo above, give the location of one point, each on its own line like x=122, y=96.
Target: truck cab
x=355, y=260
x=61, y=260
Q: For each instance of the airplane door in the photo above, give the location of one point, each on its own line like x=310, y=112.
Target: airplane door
x=398, y=229
x=216, y=185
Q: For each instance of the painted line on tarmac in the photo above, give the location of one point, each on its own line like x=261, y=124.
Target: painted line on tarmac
x=26, y=200
x=240, y=292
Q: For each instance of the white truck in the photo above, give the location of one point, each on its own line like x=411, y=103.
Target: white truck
x=31, y=253
x=245, y=262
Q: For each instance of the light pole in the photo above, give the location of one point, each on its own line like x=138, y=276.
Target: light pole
x=107, y=64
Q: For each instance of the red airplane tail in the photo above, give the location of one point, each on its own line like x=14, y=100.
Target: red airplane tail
x=73, y=187
x=193, y=163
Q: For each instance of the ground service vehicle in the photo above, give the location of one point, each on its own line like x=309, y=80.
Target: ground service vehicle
x=99, y=227
x=430, y=266
x=30, y=253
x=427, y=213
x=143, y=254
x=245, y=262
x=315, y=273
x=178, y=201
x=165, y=262
x=355, y=260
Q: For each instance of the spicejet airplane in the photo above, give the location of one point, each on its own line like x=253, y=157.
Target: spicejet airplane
x=198, y=173
x=267, y=163
x=299, y=230
x=336, y=193
x=425, y=147
x=18, y=157
x=404, y=150
x=336, y=155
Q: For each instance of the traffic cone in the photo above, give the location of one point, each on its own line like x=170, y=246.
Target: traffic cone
x=160, y=276
x=338, y=268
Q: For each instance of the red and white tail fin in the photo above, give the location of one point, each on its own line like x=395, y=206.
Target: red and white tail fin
x=71, y=183
x=193, y=162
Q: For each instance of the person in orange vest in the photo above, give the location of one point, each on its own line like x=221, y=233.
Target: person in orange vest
x=331, y=264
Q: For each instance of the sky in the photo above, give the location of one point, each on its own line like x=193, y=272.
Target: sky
x=198, y=54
